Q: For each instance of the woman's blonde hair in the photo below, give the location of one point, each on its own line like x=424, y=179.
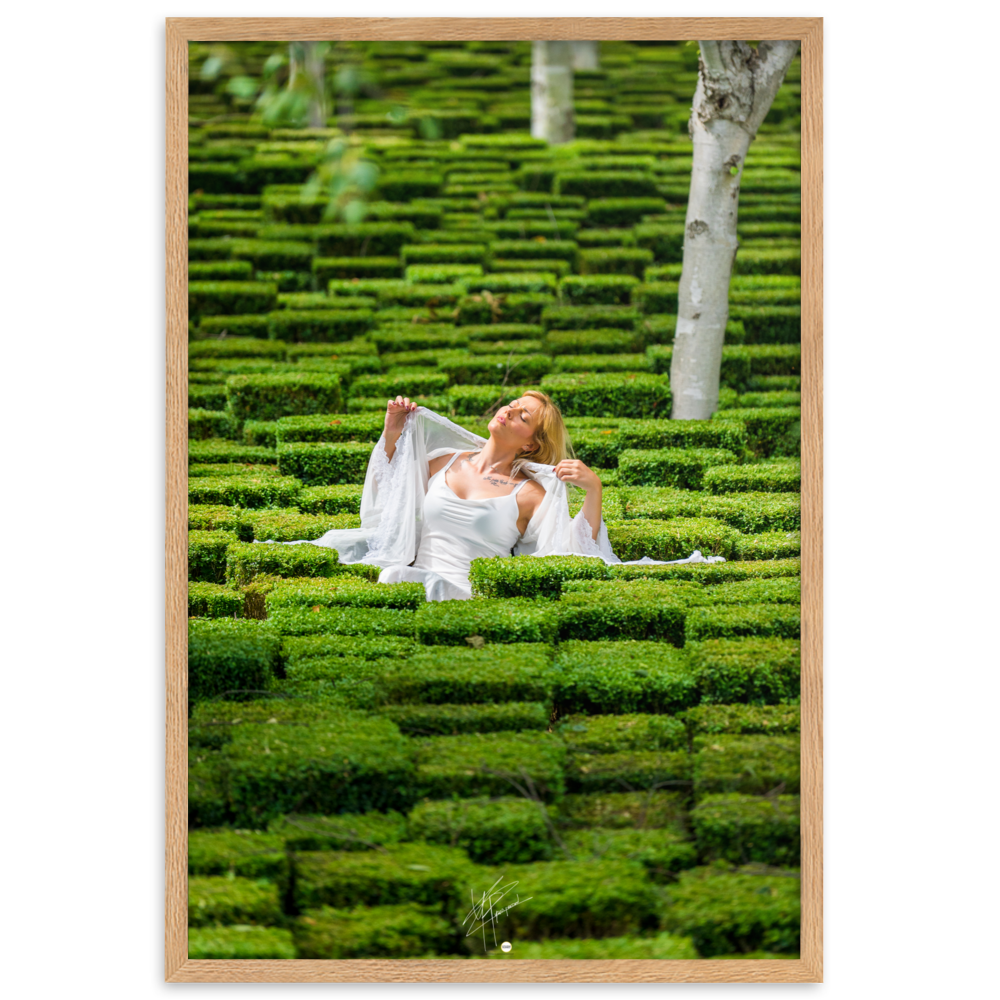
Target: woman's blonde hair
x=552, y=443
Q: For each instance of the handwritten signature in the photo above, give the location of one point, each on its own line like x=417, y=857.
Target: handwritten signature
x=487, y=911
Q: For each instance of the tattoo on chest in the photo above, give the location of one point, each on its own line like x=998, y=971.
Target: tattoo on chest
x=492, y=477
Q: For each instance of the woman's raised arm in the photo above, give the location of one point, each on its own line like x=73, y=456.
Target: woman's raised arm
x=395, y=418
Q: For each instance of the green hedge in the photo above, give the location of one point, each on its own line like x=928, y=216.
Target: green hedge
x=338, y=499
x=762, y=620
x=345, y=590
x=211, y=517
x=244, y=491
x=760, y=670
x=597, y=734
x=619, y=610
x=663, y=853
x=752, y=512
x=218, y=899
x=507, y=830
x=349, y=764
x=623, y=676
x=754, y=478
x=213, y=600
x=664, y=239
x=597, y=185
x=400, y=873
x=232, y=657
x=320, y=463
x=343, y=621
x=207, y=553
x=245, y=561
x=679, y=467
x=365, y=239
x=597, y=289
x=404, y=930
x=450, y=720
x=268, y=397
x=770, y=431
x=585, y=899
x=624, y=811
x=610, y=394
x=530, y=576
x=240, y=941
x=449, y=623
x=508, y=672
x=328, y=326
x=465, y=765
x=733, y=913
x=749, y=719
x=608, y=341
x=350, y=832
x=227, y=298
x=622, y=212
x=672, y=539
x=327, y=269
x=589, y=317
x=615, y=260
x=247, y=853
x=747, y=828
x=753, y=765
x=293, y=526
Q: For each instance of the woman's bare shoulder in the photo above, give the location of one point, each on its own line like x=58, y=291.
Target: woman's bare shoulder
x=533, y=493
x=435, y=464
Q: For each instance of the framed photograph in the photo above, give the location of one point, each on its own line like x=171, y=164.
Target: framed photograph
x=494, y=500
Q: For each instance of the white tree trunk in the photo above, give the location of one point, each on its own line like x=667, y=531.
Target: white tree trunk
x=586, y=55
x=307, y=58
x=736, y=86
x=552, y=92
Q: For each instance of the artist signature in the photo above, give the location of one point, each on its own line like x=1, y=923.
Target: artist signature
x=487, y=911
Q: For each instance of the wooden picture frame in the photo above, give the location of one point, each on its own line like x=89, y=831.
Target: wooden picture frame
x=178, y=968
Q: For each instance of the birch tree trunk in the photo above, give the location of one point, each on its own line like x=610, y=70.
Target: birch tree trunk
x=586, y=55
x=552, y=92
x=736, y=86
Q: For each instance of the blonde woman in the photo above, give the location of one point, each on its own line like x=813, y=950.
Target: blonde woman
x=437, y=496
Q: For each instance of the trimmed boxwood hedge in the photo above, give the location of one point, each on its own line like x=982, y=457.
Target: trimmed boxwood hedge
x=597, y=734
x=240, y=941
x=232, y=657
x=622, y=611
x=647, y=769
x=754, y=478
x=507, y=830
x=597, y=289
x=530, y=576
x=213, y=600
x=761, y=670
x=610, y=394
x=219, y=899
x=207, y=553
x=450, y=623
x=753, y=765
x=680, y=467
x=730, y=621
x=244, y=490
x=349, y=832
x=589, y=317
x=676, y=538
x=749, y=719
x=245, y=561
x=746, y=828
x=268, y=397
x=227, y=298
x=450, y=720
x=322, y=463
x=248, y=853
x=728, y=913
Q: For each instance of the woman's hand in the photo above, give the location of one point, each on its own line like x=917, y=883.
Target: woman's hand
x=395, y=414
x=572, y=470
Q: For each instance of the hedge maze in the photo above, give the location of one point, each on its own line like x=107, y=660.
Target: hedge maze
x=621, y=741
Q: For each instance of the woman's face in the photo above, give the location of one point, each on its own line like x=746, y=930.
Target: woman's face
x=516, y=422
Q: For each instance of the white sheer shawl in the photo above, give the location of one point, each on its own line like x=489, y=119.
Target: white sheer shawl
x=392, y=503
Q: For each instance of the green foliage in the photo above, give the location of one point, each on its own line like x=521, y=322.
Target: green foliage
x=597, y=289
x=771, y=619
x=207, y=553
x=451, y=720
x=746, y=719
x=746, y=828
x=611, y=394
x=268, y=397
x=624, y=676
x=680, y=467
x=756, y=670
x=404, y=930
x=519, y=620
x=507, y=672
x=337, y=499
x=606, y=734
x=244, y=491
x=507, y=830
x=530, y=576
x=321, y=463
x=753, y=765
x=246, y=561
x=586, y=899
x=672, y=539
x=491, y=763
x=735, y=913
x=235, y=658
x=350, y=832
x=589, y=317
x=240, y=941
x=219, y=899
x=213, y=600
x=400, y=873
x=768, y=478
x=227, y=298
x=247, y=853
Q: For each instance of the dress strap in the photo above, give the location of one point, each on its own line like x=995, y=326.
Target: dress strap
x=447, y=465
x=519, y=485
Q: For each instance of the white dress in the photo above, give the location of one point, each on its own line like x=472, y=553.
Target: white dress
x=455, y=531
x=400, y=510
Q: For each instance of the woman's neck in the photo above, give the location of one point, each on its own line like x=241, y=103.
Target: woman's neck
x=491, y=458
